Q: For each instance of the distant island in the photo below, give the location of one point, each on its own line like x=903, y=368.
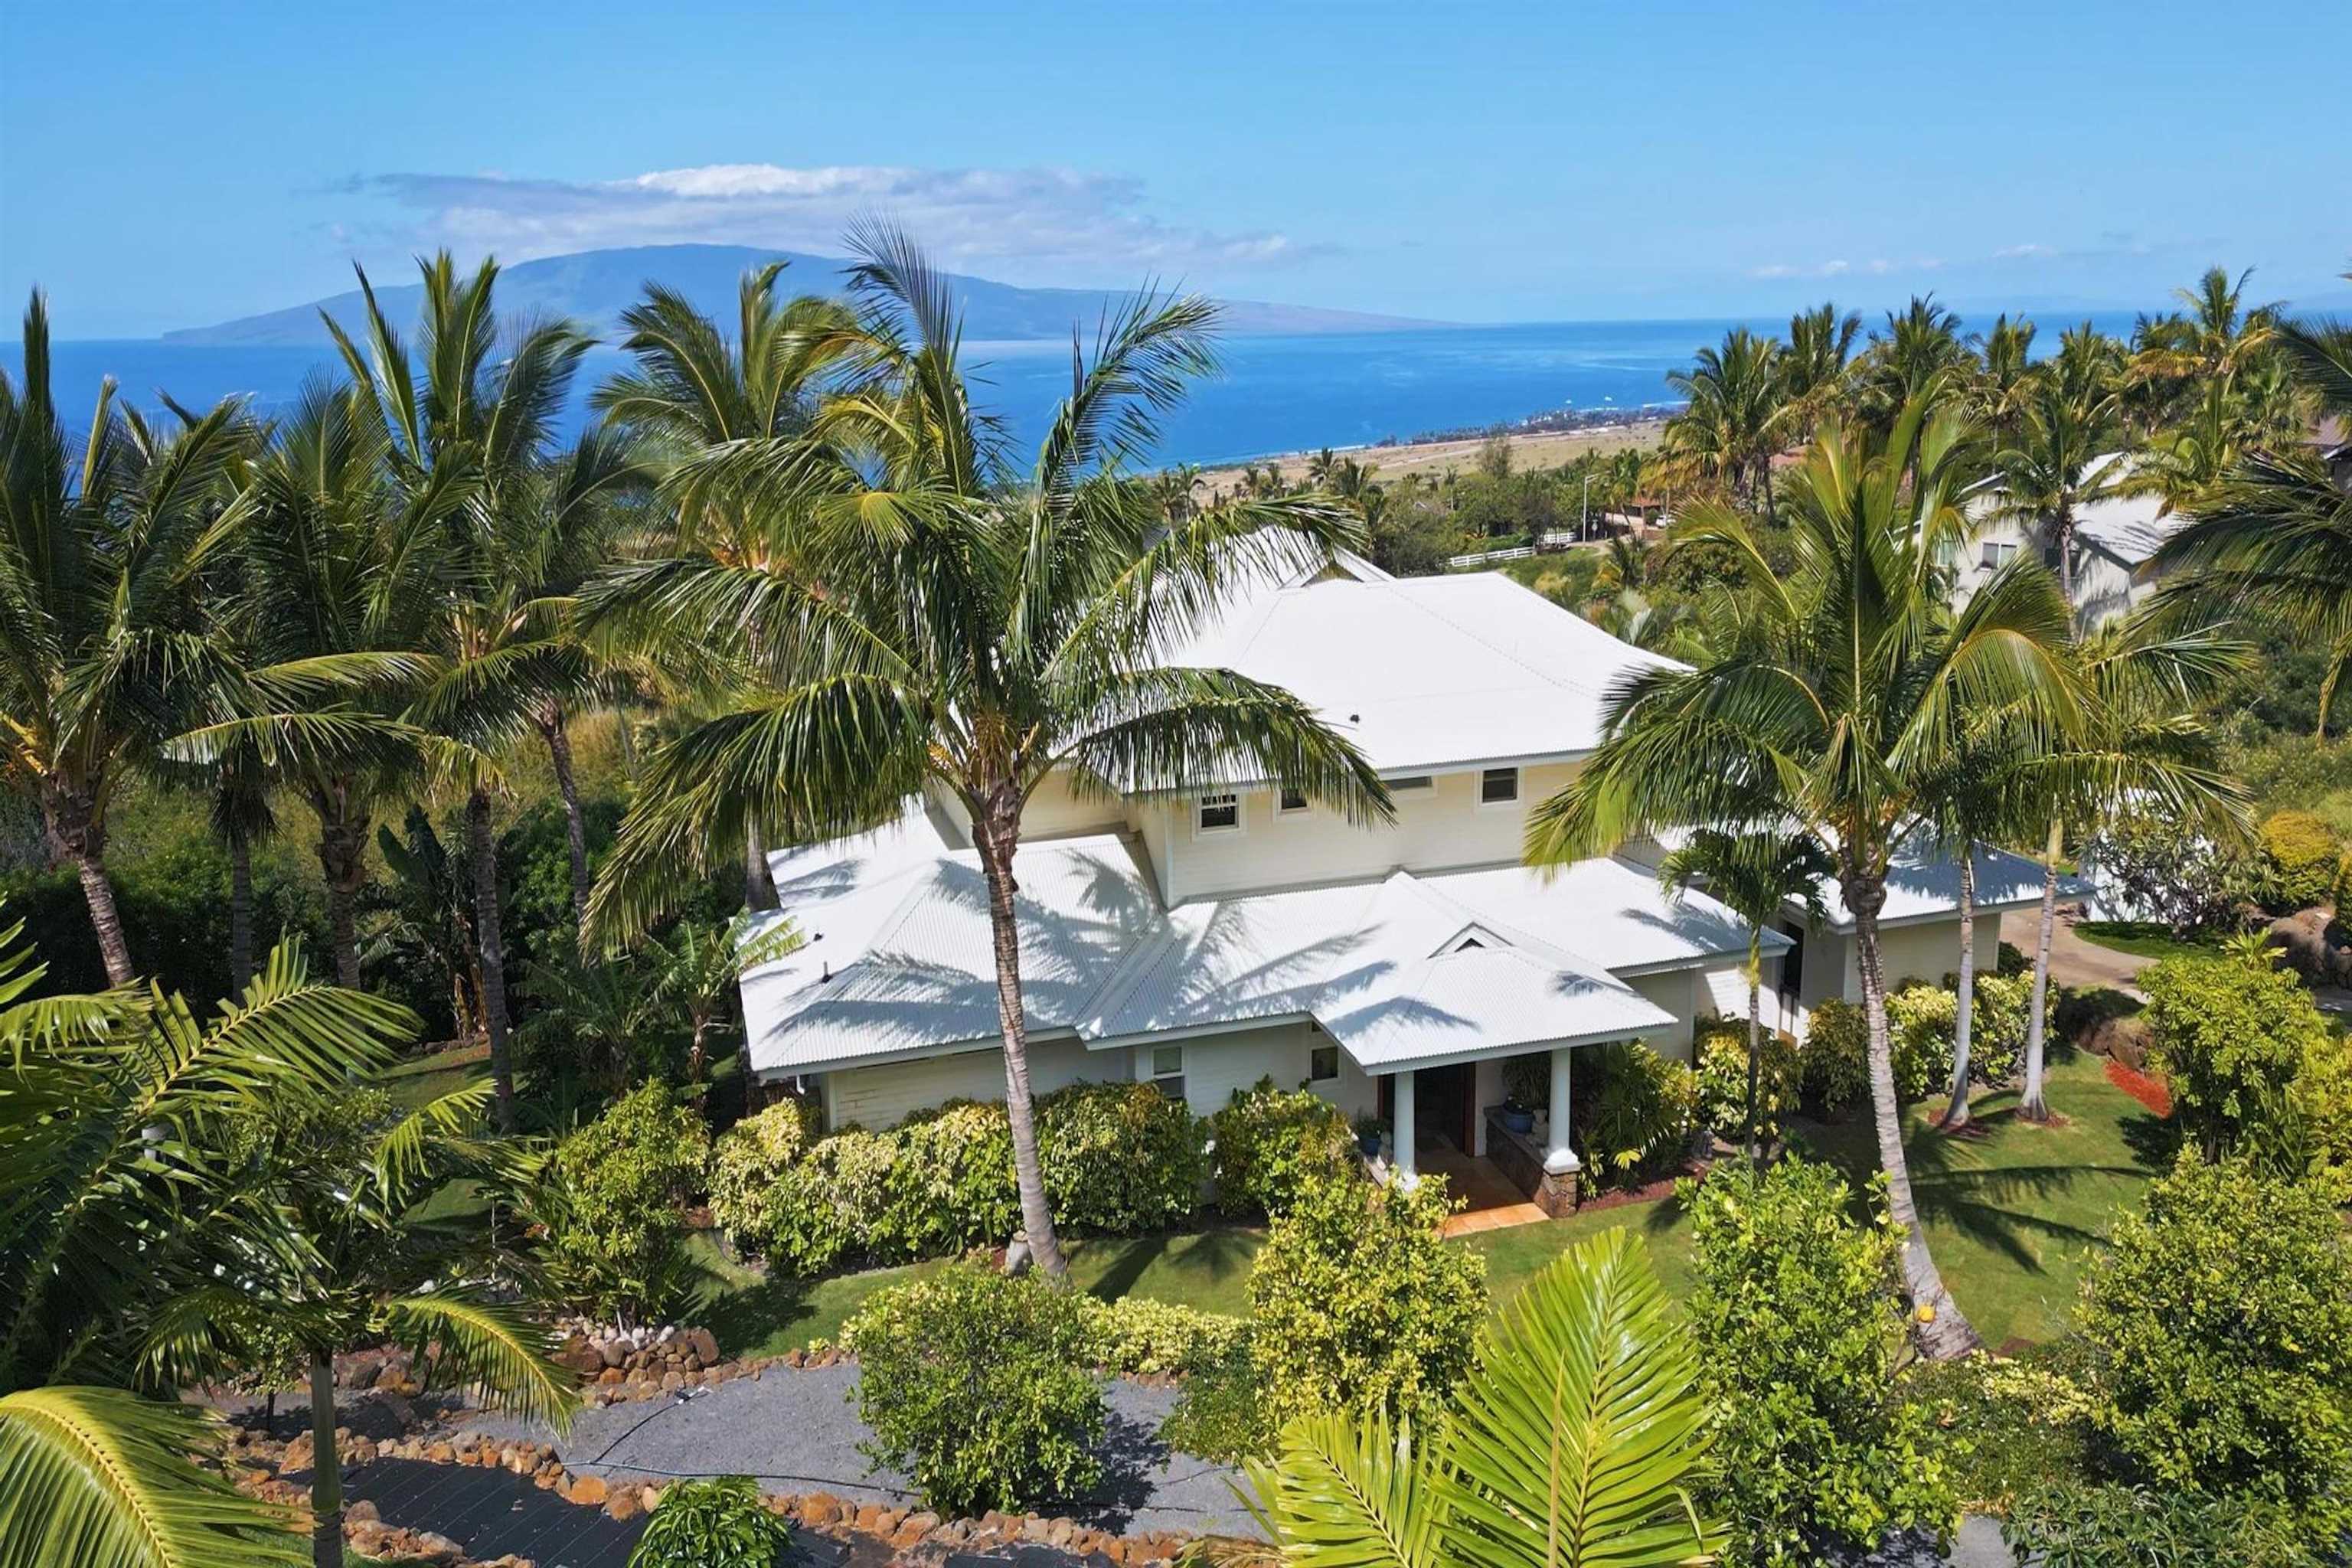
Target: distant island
x=594, y=287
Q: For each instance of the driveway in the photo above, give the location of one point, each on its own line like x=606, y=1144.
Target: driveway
x=2073, y=959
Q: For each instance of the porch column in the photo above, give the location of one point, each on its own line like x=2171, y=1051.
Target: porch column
x=1560, y=1159
x=1401, y=1124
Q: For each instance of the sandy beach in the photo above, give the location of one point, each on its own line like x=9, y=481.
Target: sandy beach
x=1545, y=451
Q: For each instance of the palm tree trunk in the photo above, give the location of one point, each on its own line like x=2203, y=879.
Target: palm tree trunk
x=1944, y=1330
x=575, y=830
x=326, y=1467
x=2066, y=557
x=1955, y=1114
x=1755, y=1029
x=998, y=834
x=240, y=914
x=2033, y=1106
x=483, y=850
x=342, y=864
x=759, y=883
x=71, y=819
x=1768, y=485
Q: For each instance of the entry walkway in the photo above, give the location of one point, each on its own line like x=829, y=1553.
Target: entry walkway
x=1494, y=1202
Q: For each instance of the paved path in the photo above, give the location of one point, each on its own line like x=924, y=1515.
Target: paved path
x=2073, y=959
x=798, y=1431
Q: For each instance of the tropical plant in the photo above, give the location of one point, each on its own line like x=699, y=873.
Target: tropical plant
x=2063, y=455
x=1271, y=1144
x=1576, y=1439
x=1730, y=429
x=613, y=1204
x=720, y=1522
x=105, y=651
x=931, y=622
x=2004, y=377
x=122, y=1208
x=1837, y=701
x=1919, y=359
x=1756, y=872
x=2230, y=1036
x=1814, y=366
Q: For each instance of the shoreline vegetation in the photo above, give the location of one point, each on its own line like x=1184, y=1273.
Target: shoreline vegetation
x=1536, y=443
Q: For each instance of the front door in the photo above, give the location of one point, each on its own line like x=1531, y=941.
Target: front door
x=1442, y=1104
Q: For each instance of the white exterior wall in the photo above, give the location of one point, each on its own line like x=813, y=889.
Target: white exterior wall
x=1677, y=991
x=1443, y=827
x=1217, y=1064
x=880, y=1096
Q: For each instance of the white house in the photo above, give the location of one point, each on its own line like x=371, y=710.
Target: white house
x=2115, y=539
x=1203, y=941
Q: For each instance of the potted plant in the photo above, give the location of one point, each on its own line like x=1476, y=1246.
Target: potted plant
x=1370, y=1132
x=1526, y=1082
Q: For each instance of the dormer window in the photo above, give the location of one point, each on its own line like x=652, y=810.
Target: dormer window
x=1499, y=786
x=1220, y=813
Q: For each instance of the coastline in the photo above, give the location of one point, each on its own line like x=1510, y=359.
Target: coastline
x=1529, y=449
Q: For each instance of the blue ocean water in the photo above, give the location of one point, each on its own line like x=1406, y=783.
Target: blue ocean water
x=1276, y=394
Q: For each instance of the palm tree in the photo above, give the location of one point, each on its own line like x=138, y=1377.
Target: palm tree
x=469, y=448
x=935, y=620
x=2003, y=380
x=103, y=644
x=349, y=1171
x=2216, y=336
x=1836, y=703
x=2062, y=459
x=1729, y=430
x=695, y=389
x=1814, y=369
x=1756, y=872
x=2273, y=536
x=1920, y=356
x=1578, y=1440
x=122, y=1206
x=1177, y=490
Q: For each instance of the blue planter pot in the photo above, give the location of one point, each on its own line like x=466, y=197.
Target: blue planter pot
x=1519, y=1120
x=1370, y=1142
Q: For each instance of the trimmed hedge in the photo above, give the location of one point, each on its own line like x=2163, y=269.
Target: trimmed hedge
x=748, y=1161
x=1272, y=1144
x=1121, y=1158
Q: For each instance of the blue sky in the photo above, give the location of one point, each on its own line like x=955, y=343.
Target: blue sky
x=166, y=165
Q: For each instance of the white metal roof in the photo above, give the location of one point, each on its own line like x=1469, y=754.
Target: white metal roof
x=1924, y=885
x=1431, y=672
x=2128, y=528
x=1616, y=914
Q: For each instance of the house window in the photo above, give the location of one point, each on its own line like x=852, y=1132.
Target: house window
x=1293, y=802
x=1218, y=814
x=1167, y=1071
x=1998, y=554
x=1411, y=781
x=1322, y=1064
x=1499, y=786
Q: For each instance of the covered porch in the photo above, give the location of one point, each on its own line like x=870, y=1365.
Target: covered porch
x=1450, y=1119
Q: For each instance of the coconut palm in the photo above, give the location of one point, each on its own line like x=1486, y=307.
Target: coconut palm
x=695, y=387
x=2063, y=458
x=938, y=621
x=121, y=1206
x=2004, y=378
x=2214, y=337
x=1815, y=365
x=1756, y=872
x=1730, y=429
x=103, y=644
x=1920, y=357
x=1836, y=703
x=1578, y=1440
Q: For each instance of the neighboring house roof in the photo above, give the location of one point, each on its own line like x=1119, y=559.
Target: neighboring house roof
x=1924, y=885
x=1401, y=970
x=2128, y=528
x=1427, y=673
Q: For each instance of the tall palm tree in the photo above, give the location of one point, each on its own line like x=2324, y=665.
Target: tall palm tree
x=1578, y=1440
x=1756, y=872
x=1814, y=369
x=937, y=620
x=696, y=388
x=469, y=443
x=121, y=1207
x=2062, y=459
x=1919, y=356
x=1837, y=704
x=103, y=645
x=1730, y=429
x=2215, y=336
x=2003, y=379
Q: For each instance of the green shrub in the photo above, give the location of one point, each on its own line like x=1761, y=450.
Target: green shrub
x=833, y=1204
x=2228, y=1034
x=1800, y=1316
x=1641, y=1116
x=1119, y=1158
x=2298, y=855
x=2009, y=959
x=2221, y=1322
x=616, y=1231
x=1221, y=1414
x=2070, y=1523
x=1358, y=1303
x=1836, y=1056
x=747, y=1161
x=714, y=1523
x=950, y=1185
x=1135, y=1335
x=1270, y=1144
x=2013, y=1422
x=978, y=1387
x=2004, y=1005
x=1721, y=1045
x=1920, y=1019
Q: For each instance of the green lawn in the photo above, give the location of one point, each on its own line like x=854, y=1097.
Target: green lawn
x=427, y=1079
x=2012, y=1215
x=2143, y=939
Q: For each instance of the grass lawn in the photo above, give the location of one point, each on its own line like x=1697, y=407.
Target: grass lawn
x=427, y=1079
x=2143, y=939
x=2012, y=1215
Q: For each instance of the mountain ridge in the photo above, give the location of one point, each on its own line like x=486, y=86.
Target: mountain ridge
x=594, y=287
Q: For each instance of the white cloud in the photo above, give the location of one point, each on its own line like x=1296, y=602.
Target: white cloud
x=1047, y=218
x=2021, y=252
x=1831, y=268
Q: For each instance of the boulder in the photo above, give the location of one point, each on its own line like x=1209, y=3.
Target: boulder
x=702, y=1344
x=587, y=1490
x=624, y=1504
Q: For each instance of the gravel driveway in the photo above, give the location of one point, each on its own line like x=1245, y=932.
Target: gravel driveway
x=799, y=1431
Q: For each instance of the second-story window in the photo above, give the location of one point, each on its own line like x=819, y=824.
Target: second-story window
x=1499, y=786
x=1220, y=813
x=1998, y=554
x=1293, y=802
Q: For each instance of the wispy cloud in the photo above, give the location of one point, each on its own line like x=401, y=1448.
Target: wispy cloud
x=1048, y=218
x=2022, y=252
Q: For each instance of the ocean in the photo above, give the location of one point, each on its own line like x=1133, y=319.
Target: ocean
x=1275, y=394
